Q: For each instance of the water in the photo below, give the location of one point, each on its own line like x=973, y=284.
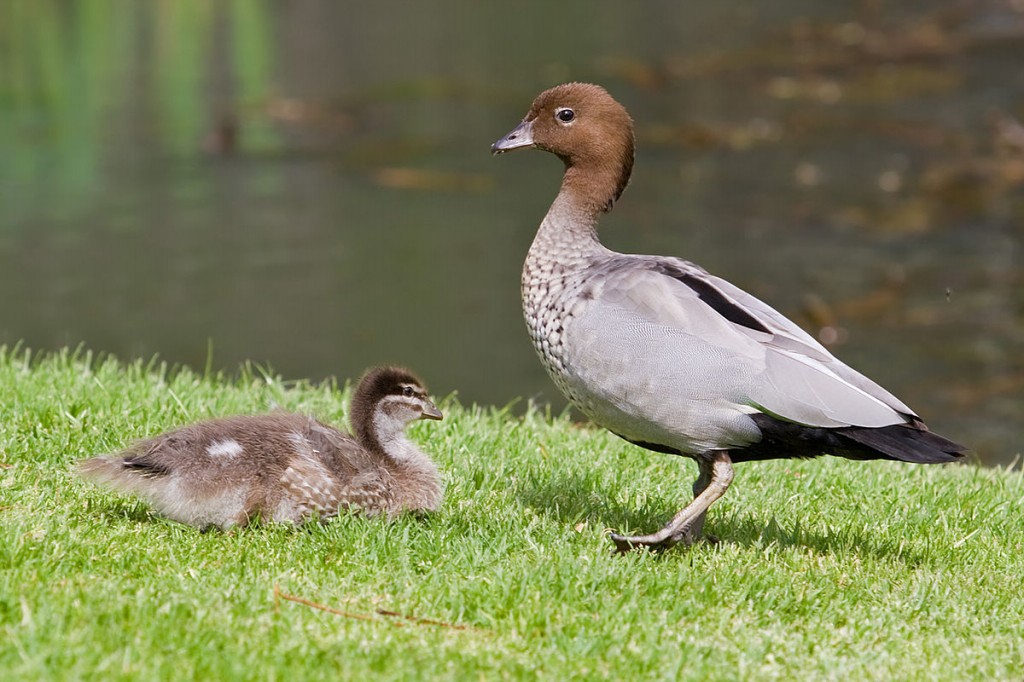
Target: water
x=308, y=184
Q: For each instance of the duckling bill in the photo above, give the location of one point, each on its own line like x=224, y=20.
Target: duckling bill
x=670, y=357
x=287, y=467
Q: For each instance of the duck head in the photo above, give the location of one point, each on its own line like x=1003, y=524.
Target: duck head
x=587, y=129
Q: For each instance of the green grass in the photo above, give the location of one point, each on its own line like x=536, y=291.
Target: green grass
x=827, y=569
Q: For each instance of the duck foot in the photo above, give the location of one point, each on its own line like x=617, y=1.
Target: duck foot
x=626, y=543
x=686, y=526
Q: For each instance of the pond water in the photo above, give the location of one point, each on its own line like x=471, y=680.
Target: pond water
x=309, y=185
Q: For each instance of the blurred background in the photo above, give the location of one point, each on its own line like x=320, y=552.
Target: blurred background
x=307, y=184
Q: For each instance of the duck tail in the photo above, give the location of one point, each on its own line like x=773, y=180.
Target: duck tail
x=911, y=442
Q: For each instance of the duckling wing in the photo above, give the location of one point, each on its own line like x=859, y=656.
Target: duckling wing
x=699, y=341
x=328, y=470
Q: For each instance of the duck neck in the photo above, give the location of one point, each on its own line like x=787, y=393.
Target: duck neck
x=567, y=236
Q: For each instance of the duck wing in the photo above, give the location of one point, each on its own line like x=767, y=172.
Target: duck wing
x=739, y=348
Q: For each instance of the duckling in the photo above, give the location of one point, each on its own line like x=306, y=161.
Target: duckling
x=670, y=357
x=287, y=467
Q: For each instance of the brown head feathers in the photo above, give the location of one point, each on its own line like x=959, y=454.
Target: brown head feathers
x=589, y=131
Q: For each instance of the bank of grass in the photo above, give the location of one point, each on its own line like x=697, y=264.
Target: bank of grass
x=827, y=569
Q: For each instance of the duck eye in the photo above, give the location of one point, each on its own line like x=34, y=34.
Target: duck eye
x=407, y=391
x=565, y=115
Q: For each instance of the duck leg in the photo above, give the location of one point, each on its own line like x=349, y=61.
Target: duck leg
x=696, y=527
x=686, y=526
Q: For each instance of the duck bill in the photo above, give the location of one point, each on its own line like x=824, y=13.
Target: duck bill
x=430, y=411
x=521, y=136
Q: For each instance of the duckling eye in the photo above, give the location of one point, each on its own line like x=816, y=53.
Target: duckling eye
x=565, y=115
x=407, y=391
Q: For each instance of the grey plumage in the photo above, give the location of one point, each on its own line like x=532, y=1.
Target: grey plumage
x=286, y=467
x=670, y=357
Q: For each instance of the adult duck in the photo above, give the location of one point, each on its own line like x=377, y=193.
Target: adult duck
x=670, y=357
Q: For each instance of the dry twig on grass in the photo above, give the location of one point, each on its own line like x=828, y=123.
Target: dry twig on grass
x=415, y=620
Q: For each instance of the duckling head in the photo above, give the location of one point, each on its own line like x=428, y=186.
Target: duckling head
x=386, y=400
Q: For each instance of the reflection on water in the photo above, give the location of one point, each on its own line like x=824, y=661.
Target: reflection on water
x=308, y=184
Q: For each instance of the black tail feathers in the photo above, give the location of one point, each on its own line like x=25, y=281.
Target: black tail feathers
x=907, y=443
x=911, y=442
